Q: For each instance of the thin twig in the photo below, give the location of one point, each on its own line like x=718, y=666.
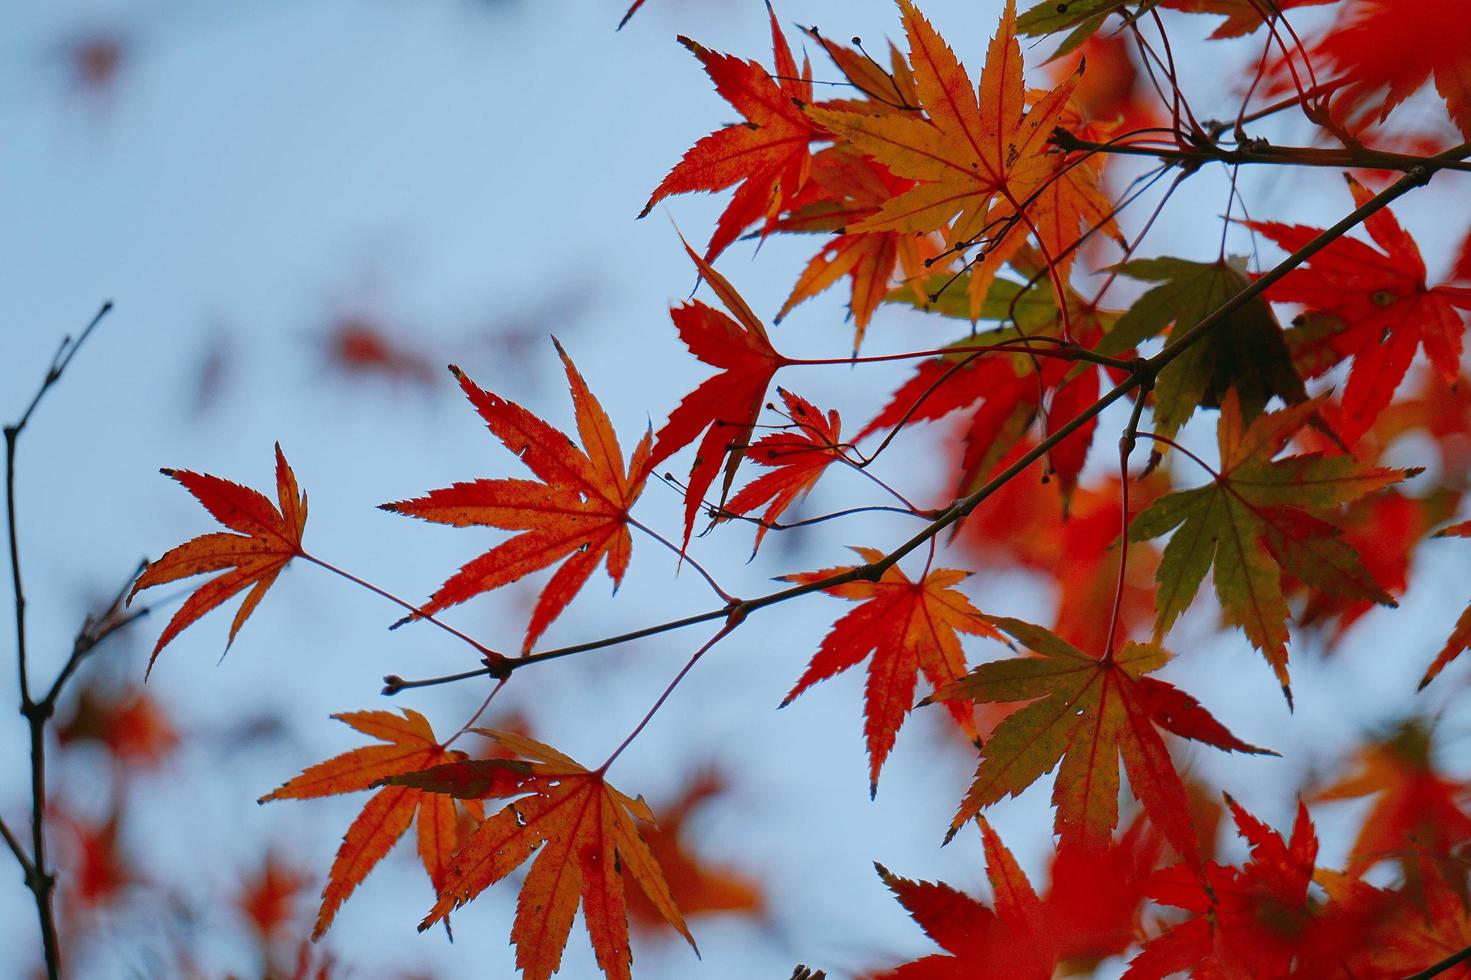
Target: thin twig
x=684, y=558
x=1165, y=441
x=93, y=632
x=1126, y=448
x=416, y=612
x=20, y=855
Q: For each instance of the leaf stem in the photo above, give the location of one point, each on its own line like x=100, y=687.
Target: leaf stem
x=1126, y=448
x=732, y=621
x=1162, y=440
x=685, y=558
x=490, y=655
x=478, y=711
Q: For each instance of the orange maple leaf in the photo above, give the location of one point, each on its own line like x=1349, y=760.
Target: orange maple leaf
x=410, y=746
x=1086, y=712
x=797, y=459
x=1418, y=817
x=579, y=512
x=979, y=156
x=267, y=899
x=1379, y=311
x=726, y=406
x=846, y=188
x=265, y=540
x=909, y=627
x=587, y=839
x=767, y=154
x=129, y=723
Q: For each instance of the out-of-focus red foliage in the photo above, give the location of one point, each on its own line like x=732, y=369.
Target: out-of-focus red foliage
x=698, y=887
x=130, y=724
x=359, y=346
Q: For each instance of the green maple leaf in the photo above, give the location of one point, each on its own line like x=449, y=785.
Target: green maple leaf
x=1245, y=353
x=1259, y=517
x=1086, y=713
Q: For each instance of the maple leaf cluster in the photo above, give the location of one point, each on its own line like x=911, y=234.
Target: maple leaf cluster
x=997, y=211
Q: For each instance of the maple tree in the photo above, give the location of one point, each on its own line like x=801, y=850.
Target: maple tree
x=1008, y=219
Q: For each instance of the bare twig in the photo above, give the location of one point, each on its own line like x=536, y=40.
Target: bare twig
x=39, y=878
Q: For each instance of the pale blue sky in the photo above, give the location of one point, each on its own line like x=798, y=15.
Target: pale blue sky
x=458, y=169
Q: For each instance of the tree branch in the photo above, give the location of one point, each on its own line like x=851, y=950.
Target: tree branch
x=1143, y=373
x=38, y=879
x=1258, y=151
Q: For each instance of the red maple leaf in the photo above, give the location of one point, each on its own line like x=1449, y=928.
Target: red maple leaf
x=267, y=898
x=1024, y=935
x=909, y=627
x=1380, y=52
x=1005, y=393
x=577, y=514
x=1072, y=539
x=130, y=724
x=1379, y=311
x=1010, y=939
x=699, y=887
x=726, y=406
x=1418, y=817
x=767, y=154
x=1258, y=920
x=1460, y=638
x=796, y=458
